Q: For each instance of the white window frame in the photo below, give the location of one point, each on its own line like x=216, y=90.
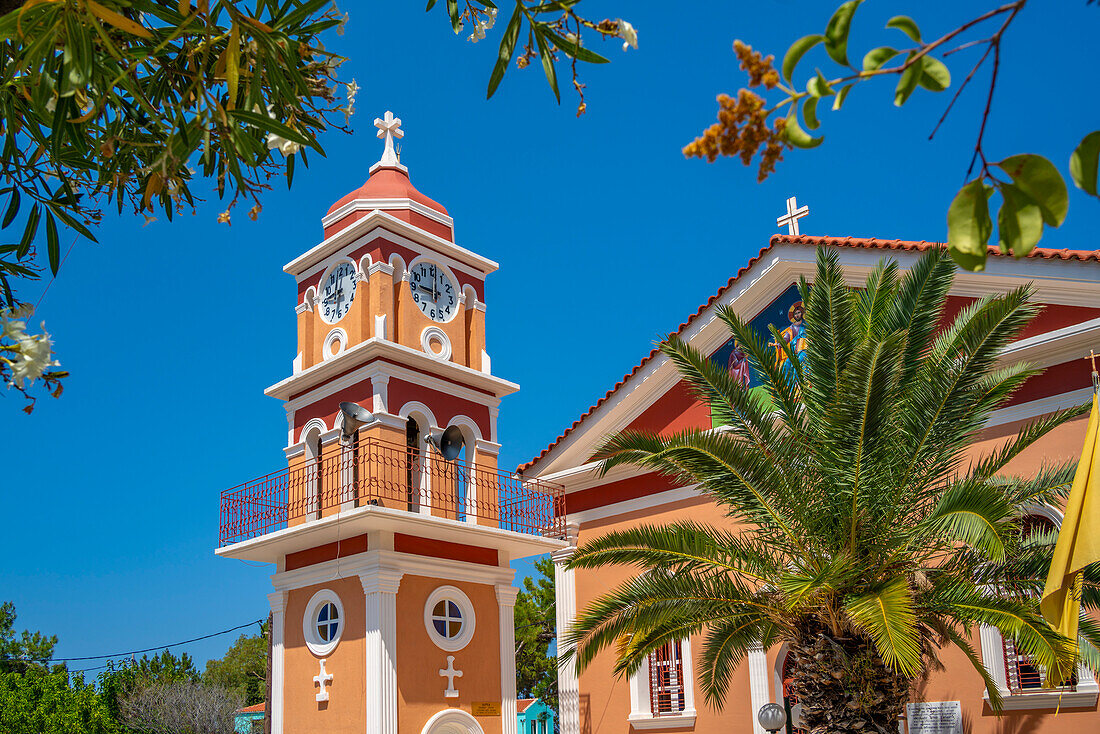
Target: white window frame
x=641, y=705
x=316, y=645
x=1086, y=691
x=469, y=619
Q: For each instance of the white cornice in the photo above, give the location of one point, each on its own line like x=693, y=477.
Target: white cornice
x=1055, y=347
x=375, y=348
x=272, y=547
x=1054, y=281
x=376, y=219
x=391, y=564
x=357, y=205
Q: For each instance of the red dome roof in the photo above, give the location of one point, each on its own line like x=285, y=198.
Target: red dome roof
x=388, y=183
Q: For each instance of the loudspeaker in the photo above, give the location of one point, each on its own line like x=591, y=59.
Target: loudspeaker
x=355, y=415
x=448, y=442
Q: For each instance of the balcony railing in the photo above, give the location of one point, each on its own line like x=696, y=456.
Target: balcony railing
x=374, y=472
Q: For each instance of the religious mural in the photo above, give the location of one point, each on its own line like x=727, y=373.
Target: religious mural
x=785, y=313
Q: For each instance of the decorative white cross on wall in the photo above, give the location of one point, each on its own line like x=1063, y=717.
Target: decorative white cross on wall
x=389, y=127
x=321, y=679
x=794, y=213
x=450, y=674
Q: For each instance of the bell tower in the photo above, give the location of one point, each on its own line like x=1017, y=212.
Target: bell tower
x=391, y=528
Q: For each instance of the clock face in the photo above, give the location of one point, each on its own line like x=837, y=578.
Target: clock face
x=337, y=292
x=433, y=292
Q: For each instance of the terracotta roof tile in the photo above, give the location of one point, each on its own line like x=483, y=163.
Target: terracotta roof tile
x=813, y=241
x=252, y=709
x=523, y=703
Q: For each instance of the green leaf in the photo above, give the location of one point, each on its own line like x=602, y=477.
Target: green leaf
x=836, y=33
x=52, y=245
x=934, y=75
x=906, y=25
x=507, y=47
x=456, y=18
x=580, y=53
x=1039, y=179
x=13, y=209
x=876, y=57
x=969, y=226
x=842, y=95
x=547, y=63
x=29, y=232
x=271, y=125
x=818, y=86
x=1019, y=223
x=1083, y=163
x=795, y=53
x=431, y=4
x=798, y=137
x=908, y=82
x=809, y=113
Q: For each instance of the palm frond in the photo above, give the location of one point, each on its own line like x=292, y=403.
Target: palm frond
x=886, y=613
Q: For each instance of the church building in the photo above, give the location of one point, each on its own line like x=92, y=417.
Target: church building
x=664, y=695
x=390, y=527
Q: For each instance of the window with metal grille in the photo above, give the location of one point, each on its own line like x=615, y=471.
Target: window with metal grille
x=1021, y=672
x=666, y=680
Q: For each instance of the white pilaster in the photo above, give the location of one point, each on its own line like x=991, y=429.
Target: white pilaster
x=506, y=603
x=565, y=591
x=380, y=586
x=758, y=684
x=277, y=599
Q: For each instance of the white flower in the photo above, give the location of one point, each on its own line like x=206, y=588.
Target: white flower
x=51, y=104
x=628, y=34
x=353, y=89
x=12, y=325
x=491, y=20
x=479, y=32
x=33, y=358
x=284, y=146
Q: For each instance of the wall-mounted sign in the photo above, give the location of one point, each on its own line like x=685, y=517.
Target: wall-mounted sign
x=935, y=717
x=489, y=708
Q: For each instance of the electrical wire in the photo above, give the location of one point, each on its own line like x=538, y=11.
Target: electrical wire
x=129, y=653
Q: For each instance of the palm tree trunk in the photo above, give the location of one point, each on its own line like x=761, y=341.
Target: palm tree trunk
x=843, y=685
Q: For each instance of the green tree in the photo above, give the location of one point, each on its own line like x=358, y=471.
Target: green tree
x=27, y=651
x=50, y=703
x=121, y=679
x=858, y=530
x=243, y=670
x=535, y=621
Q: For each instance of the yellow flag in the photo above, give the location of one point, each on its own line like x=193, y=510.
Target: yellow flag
x=1078, y=544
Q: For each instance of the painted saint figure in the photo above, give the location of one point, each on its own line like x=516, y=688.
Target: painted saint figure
x=739, y=365
x=795, y=335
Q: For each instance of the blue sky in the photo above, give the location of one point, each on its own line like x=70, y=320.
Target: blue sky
x=606, y=237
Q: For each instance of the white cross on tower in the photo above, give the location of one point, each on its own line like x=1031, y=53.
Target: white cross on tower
x=794, y=213
x=389, y=127
x=450, y=674
x=321, y=679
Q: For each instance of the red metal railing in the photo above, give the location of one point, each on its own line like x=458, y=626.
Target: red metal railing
x=374, y=472
x=666, y=680
x=1022, y=674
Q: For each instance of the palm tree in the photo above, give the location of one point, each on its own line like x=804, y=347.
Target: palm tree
x=858, y=531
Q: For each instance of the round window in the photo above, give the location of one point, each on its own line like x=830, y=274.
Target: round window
x=449, y=618
x=323, y=622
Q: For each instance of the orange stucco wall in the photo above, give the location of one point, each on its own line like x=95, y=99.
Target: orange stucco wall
x=344, y=712
x=420, y=687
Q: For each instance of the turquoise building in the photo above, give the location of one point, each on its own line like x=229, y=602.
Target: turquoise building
x=250, y=720
x=534, y=717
